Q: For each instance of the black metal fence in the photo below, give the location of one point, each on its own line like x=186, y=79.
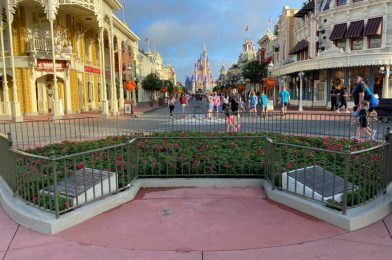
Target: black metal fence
x=40, y=133
x=338, y=178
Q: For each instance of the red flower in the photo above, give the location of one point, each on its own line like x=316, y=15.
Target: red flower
x=37, y=162
x=290, y=165
x=79, y=166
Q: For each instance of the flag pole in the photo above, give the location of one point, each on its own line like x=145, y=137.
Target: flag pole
x=123, y=7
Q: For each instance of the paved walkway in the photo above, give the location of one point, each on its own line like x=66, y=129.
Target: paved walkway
x=199, y=224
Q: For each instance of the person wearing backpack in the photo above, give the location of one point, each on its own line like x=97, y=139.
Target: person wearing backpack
x=362, y=92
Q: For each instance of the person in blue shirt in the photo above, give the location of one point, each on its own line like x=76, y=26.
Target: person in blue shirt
x=253, y=103
x=284, y=97
x=264, y=103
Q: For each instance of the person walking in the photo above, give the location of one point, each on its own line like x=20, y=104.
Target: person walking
x=217, y=102
x=334, y=99
x=343, y=95
x=235, y=104
x=264, y=103
x=171, y=103
x=229, y=118
x=253, y=103
x=184, y=103
x=363, y=123
x=284, y=97
x=210, y=100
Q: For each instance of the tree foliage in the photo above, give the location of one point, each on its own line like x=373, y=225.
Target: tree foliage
x=169, y=84
x=255, y=71
x=152, y=82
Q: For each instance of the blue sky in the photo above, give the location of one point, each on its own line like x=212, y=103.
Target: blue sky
x=179, y=28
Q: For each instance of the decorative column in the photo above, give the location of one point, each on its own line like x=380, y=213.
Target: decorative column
x=104, y=103
x=67, y=92
x=385, y=89
x=57, y=106
x=16, y=115
x=120, y=77
x=113, y=96
x=6, y=101
x=34, y=109
x=301, y=82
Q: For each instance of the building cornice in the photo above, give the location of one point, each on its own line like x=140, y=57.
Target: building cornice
x=114, y=4
x=117, y=23
x=336, y=61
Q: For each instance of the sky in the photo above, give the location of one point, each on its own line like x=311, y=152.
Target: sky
x=178, y=29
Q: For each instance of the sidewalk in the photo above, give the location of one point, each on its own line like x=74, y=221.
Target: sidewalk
x=199, y=224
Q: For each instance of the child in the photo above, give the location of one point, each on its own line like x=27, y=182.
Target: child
x=363, y=122
x=229, y=118
x=264, y=103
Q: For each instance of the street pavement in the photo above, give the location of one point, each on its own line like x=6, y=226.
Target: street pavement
x=90, y=126
x=199, y=224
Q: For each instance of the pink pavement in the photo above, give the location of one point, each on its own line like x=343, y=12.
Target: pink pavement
x=202, y=224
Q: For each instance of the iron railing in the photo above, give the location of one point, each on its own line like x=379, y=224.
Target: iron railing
x=339, y=178
x=40, y=133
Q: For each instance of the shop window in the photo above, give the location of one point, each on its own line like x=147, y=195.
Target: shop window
x=341, y=2
x=375, y=41
x=341, y=44
x=357, y=44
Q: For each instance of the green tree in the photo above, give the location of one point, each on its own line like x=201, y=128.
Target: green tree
x=255, y=71
x=169, y=84
x=152, y=82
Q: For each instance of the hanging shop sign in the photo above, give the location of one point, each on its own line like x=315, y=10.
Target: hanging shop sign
x=47, y=65
x=92, y=70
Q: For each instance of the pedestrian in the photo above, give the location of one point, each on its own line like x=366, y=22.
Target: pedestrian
x=235, y=104
x=229, y=118
x=264, y=103
x=343, y=95
x=171, y=103
x=253, y=103
x=210, y=100
x=363, y=123
x=217, y=103
x=284, y=97
x=184, y=103
x=334, y=99
x=362, y=92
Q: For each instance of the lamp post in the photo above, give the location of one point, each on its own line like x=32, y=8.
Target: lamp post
x=386, y=72
x=301, y=76
x=269, y=69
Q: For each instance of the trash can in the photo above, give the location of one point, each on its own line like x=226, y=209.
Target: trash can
x=160, y=101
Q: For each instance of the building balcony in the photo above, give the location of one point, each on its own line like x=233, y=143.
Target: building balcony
x=42, y=47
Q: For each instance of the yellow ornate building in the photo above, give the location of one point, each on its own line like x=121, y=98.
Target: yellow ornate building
x=63, y=56
x=202, y=77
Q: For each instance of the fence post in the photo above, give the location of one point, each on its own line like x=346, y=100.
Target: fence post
x=56, y=196
x=10, y=141
x=388, y=158
x=345, y=187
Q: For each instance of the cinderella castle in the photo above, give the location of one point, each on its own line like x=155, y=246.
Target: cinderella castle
x=202, y=76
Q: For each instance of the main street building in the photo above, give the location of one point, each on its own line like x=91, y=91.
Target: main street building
x=336, y=40
x=63, y=56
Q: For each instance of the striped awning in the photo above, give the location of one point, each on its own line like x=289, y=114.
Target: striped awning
x=355, y=29
x=309, y=7
x=300, y=46
x=373, y=27
x=338, y=32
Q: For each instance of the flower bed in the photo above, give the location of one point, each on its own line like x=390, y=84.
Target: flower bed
x=176, y=154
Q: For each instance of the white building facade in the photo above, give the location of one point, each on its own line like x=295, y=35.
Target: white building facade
x=336, y=41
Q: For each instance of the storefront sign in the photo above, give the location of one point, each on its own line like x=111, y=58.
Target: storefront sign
x=92, y=70
x=47, y=65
